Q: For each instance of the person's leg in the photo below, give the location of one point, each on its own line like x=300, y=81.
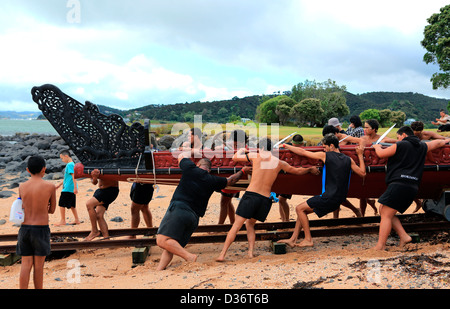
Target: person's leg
x=174, y=247
x=25, y=270
x=147, y=215
x=90, y=205
x=231, y=236
x=75, y=216
x=297, y=229
x=363, y=206
x=135, y=216
x=62, y=211
x=231, y=212
x=284, y=208
x=349, y=205
x=302, y=212
x=166, y=257
x=38, y=273
x=224, y=205
x=251, y=236
x=371, y=202
x=100, y=210
x=398, y=228
x=387, y=214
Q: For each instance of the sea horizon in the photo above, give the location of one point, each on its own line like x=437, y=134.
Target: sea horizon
x=10, y=127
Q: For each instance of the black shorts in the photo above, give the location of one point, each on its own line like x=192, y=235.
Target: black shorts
x=230, y=193
x=67, y=200
x=399, y=196
x=286, y=196
x=254, y=206
x=106, y=196
x=323, y=205
x=141, y=193
x=33, y=240
x=179, y=222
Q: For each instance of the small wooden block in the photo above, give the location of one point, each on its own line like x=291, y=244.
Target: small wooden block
x=415, y=238
x=8, y=259
x=278, y=248
x=139, y=255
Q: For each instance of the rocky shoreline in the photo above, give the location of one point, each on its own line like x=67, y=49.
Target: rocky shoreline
x=15, y=151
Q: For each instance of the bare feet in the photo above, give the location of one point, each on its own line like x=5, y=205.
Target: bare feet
x=192, y=258
x=220, y=258
x=404, y=241
x=61, y=223
x=378, y=248
x=289, y=242
x=92, y=235
x=306, y=243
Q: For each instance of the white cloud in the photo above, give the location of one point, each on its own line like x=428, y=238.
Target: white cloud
x=116, y=55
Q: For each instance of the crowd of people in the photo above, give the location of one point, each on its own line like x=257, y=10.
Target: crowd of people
x=406, y=157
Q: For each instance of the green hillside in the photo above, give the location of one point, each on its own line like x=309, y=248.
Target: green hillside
x=414, y=105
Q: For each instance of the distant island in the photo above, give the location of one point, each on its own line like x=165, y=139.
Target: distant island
x=19, y=115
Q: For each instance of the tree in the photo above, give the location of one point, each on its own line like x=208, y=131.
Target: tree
x=398, y=117
x=385, y=117
x=331, y=96
x=334, y=105
x=370, y=114
x=437, y=42
x=283, y=112
x=308, y=111
x=266, y=111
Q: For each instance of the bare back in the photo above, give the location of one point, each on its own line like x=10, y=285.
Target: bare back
x=106, y=183
x=39, y=199
x=264, y=173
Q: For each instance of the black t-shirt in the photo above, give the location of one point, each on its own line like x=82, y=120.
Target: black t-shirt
x=196, y=186
x=336, y=176
x=406, y=165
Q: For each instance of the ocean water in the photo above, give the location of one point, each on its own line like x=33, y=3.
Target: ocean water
x=10, y=127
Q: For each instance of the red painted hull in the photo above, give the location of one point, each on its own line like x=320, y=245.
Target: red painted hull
x=436, y=176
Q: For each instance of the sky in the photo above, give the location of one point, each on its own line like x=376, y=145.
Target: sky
x=128, y=54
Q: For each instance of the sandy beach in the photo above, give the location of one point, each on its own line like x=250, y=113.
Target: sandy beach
x=345, y=262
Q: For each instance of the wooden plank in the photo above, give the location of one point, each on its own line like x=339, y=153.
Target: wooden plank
x=9, y=259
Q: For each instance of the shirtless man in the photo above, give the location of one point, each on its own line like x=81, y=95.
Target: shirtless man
x=337, y=168
x=39, y=200
x=256, y=203
x=445, y=119
x=417, y=127
x=371, y=133
x=107, y=192
x=194, y=141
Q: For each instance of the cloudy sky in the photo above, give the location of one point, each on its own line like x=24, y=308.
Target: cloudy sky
x=127, y=54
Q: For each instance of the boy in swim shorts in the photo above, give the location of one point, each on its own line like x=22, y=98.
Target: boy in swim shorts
x=68, y=198
x=33, y=242
x=141, y=194
x=107, y=192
